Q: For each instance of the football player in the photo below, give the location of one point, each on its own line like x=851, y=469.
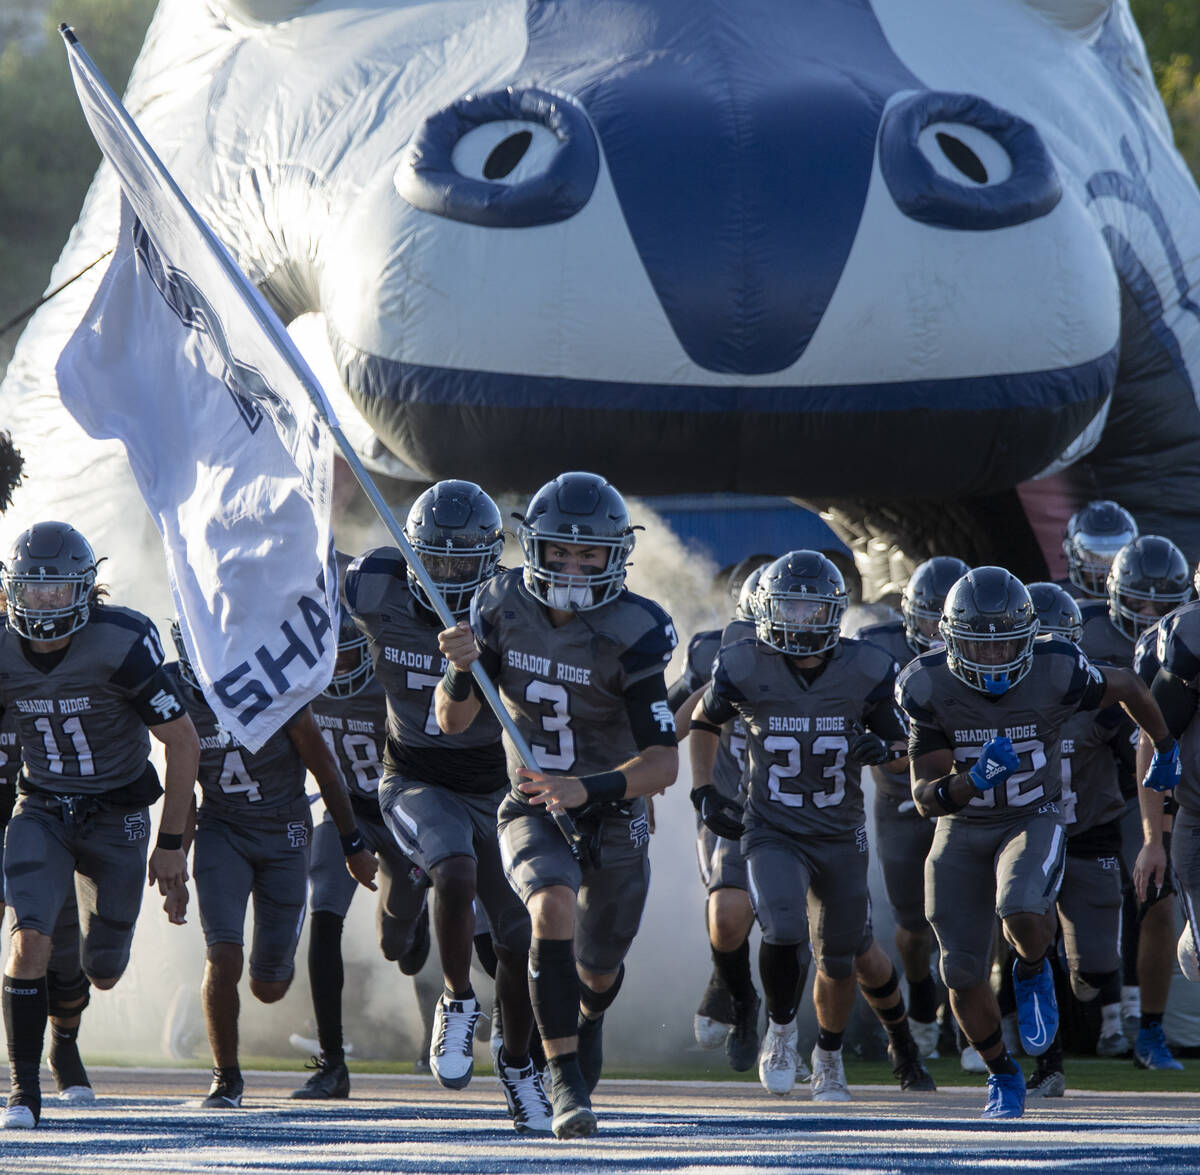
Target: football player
x=440, y=792
x=1093, y=537
x=1148, y=578
x=579, y=662
x=1089, y=900
x=252, y=837
x=987, y=715
x=816, y=708
x=352, y=717
x=902, y=835
x=729, y=1008
x=85, y=680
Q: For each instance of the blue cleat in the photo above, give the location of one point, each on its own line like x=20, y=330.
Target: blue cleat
x=1151, y=1052
x=1006, y=1095
x=1037, y=1010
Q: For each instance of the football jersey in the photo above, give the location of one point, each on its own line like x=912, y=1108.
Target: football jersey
x=1178, y=652
x=797, y=734
x=1101, y=639
x=565, y=687
x=79, y=730
x=1091, y=793
x=891, y=637
x=266, y=786
x=403, y=639
x=947, y=712
x=355, y=729
x=730, y=763
x=10, y=763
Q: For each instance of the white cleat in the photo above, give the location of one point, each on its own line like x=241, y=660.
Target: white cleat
x=528, y=1105
x=19, y=1118
x=925, y=1036
x=972, y=1062
x=828, y=1077
x=709, y=1034
x=777, y=1059
x=803, y=1072
x=451, y=1052
x=77, y=1095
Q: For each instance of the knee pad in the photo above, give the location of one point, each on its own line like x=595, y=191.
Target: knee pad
x=67, y=996
x=598, y=1002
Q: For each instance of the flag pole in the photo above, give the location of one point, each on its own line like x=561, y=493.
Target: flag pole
x=271, y=325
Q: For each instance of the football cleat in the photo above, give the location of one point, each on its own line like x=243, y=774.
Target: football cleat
x=1006, y=1095
x=573, y=1116
x=528, y=1105
x=907, y=1067
x=829, y=1076
x=19, y=1116
x=1115, y=1044
x=803, y=1072
x=413, y=957
x=451, y=1055
x=77, y=1095
x=926, y=1036
x=777, y=1059
x=1185, y=952
x=226, y=1092
x=714, y=1015
x=66, y=1067
x=330, y=1079
x=741, y=1043
x=1151, y=1052
x=1037, y=1010
x=1046, y=1082
x=591, y=1050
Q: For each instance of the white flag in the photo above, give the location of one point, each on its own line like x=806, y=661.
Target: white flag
x=181, y=359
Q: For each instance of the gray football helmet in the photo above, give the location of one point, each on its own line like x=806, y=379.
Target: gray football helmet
x=799, y=603
x=989, y=625
x=1056, y=610
x=1149, y=578
x=48, y=580
x=1093, y=537
x=923, y=597
x=353, y=670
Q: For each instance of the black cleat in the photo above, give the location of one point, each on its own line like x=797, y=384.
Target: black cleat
x=906, y=1065
x=226, y=1091
x=413, y=959
x=591, y=1050
x=66, y=1067
x=741, y=1045
x=573, y=1117
x=331, y=1079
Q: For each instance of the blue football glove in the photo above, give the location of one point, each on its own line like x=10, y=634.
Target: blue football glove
x=1163, y=773
x=997, y=761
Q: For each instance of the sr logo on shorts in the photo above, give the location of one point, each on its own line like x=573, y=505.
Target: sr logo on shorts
x=297, y=832
x=135, y=826
x=639, y=831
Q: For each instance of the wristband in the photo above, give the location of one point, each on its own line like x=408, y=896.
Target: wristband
x=608, y=785
x=711, y=727
x=353, y=843
x=942, y=794
x=169, y=841
x=457, y=684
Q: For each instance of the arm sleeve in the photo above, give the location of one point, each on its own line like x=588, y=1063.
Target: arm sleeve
x=887, y=720
x=1175, y=699
x=922, y=739
x=651, y=718
x=158, y=701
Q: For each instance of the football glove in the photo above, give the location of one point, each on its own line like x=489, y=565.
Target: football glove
x=722, y=816
x=868, y=750
x=997, y=761
x=1163, y=772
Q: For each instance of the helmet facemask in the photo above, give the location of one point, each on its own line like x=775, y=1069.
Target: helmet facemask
x=1133, y=610
x=352, y=671
x=591, y=586
x=991, y=662
x=44, y=606
x=456, y=571
x=802, y=624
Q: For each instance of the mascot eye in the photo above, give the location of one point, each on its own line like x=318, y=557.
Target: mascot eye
x=506, y=152
x=956, y=161
x=510, y=159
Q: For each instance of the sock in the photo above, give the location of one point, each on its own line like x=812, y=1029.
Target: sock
x=829, y=1041
x=734, y=970
x=64, y=1058
x=1151, y=1019
x=459, y=996
x=922, y=1000
x=1131, y=1002
x=26, y=1011
x=1031, y=970
x=1002, y=1064
x=554, y=987
x=1110, y=1019
x=326, y=977
x=780, y=971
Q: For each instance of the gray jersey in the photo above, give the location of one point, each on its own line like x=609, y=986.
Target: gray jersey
x=403, y=637
x=243, y=788
x=1091, y=795
x=82, y=724
x=948, y=713
x=565, y=687
x=730, y=764
x=1101, y=640
x=891, y=637
x=10, y=757
x=1178, y=652
x=356, y=729
x=799, y=779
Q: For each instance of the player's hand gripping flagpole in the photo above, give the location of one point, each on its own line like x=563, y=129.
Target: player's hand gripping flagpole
x=237, y=346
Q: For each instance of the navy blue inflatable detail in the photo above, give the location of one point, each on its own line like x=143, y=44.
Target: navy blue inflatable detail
x=428, y=180
x=1132, y=189
x=740, y=138
x=922, y=194
x=1145, y=294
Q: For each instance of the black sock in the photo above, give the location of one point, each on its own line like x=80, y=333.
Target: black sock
x=1002, y=1064
x=567, y=1083
x=554, y=987
x=922, y=1000
x=64, y=1058
x=895, y=1023
x=1030, y=970
x=459, y=996
x=1152, y=1019
x=780, y=971
x=485, y=952
x=26, y=1010
x=734, y=969
x=326, y=978
x=829, y=1041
